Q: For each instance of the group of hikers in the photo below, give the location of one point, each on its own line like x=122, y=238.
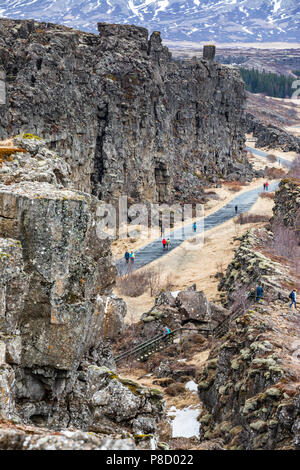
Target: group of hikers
x=129, y=257
x=166, y=243
x=292, y=296
x=266, y=186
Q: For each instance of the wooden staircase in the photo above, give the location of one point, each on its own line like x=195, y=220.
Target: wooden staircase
x=144, y=350
x=155, y=344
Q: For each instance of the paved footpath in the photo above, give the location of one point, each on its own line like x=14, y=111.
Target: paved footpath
x=244, y=201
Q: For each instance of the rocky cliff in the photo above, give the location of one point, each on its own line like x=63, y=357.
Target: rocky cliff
x=250, y=384
x=58, y=314
x=124, y=116
x=271, y=136
x=287, y=204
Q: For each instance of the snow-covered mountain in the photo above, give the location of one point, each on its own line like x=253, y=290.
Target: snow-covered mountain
x=181, y=20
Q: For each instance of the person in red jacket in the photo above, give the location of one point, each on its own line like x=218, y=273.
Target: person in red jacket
x=267, y=185
x=164, y=242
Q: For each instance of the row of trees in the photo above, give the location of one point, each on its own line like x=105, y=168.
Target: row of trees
x=271, y=84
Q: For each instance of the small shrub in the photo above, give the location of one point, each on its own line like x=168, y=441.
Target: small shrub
x=267, y=195
x=135, y=283
x=274, y=173
x=295, y=169
x=271, y=157
x=246, y=218
x=284, y=242
x=175, y=389
x=31, y=136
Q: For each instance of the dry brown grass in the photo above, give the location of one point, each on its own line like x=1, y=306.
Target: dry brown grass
x=247, y=218
x=275, y=173
x=175, y=389
x=234, y=186
x=184, y=443
x=267, y=195
x=295, y=169
x=272, y=158
x=135, y=283
x=6, y=153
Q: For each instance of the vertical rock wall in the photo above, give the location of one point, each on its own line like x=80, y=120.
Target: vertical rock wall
x=125, y=116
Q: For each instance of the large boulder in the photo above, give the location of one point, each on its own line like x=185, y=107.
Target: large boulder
x=69, y=268
x=193, y=305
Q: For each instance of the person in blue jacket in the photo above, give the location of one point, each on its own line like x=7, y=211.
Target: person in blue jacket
x=293, y=298
x=259, y=293
x=166, y=331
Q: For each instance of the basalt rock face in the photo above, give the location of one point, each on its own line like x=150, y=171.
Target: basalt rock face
x=188, y=308
x=57, y=311
x=250, y=267
x=250, y=384
x=125, y=116
x=271, y=136
x=287, y=204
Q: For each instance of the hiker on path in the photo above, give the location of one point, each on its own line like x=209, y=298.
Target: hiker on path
x=164, y=242
x=259, y=293
x=236, y=209
x=194, y=226
x=292, y=296
x=126, y=256
x=168, y=243
x=267, y=185
x=264, y=186
x=132, y=256
x=166, y=331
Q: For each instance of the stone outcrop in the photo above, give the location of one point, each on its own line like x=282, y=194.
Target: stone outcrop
x=250, y=383
x=286, y=208
x=188, y=308
x=32, y=438
x=105, y=406
x=124, y=116
x=271, y=136
x=58, y=315
x=251, y=267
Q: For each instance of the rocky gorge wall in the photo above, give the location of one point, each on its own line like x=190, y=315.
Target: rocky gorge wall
x=58, y=314
x=287, y=204
x=271, y=136
x=250, y=386
x=125, y=116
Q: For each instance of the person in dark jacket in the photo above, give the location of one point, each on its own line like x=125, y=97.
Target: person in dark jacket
x=293, y=298
x=126, y=256
x=259, y=293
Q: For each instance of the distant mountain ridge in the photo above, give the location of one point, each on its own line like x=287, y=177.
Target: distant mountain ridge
x=181, y=20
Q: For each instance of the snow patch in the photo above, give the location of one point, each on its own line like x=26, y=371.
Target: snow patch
x=175, y=293
x=184, y=423
x=191, y=386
